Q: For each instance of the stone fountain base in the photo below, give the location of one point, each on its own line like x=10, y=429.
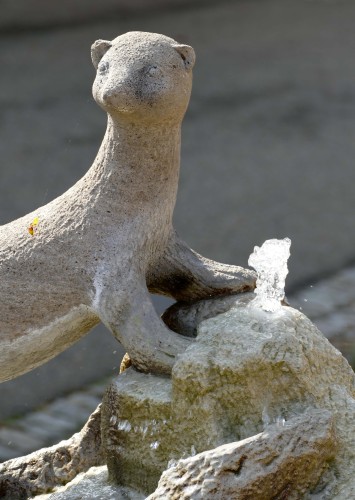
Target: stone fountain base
x=251, y=375
x=234, y=470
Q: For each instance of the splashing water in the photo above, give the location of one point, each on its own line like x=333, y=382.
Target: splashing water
x=280, y=421
x=124, y=425
x=270, y=264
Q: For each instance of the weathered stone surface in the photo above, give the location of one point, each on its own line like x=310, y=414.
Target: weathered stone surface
x=246, y=370
x=285, y=461
x=185, y=318
x=137, y=427
x=91, y=485
x=42, y=470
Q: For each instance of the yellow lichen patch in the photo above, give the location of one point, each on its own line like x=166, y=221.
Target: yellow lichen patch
x=32, y=228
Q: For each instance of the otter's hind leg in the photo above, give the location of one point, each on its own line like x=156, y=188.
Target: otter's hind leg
x=187, y=276
x=132, y=319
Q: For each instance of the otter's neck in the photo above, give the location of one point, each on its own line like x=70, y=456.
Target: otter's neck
x=138, y=161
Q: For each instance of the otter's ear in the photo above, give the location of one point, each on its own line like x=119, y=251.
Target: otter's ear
x=187, y=54
x=98, y=50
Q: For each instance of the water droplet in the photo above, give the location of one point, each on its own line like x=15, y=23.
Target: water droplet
x=113, y=420
x=124, y=425
x=265, y=417
x=154, y=445
x=280, y=421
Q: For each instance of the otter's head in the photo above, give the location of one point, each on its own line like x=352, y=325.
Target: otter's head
x=143, y=77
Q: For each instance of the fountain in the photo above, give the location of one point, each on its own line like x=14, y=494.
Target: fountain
x=270, y=263
x=257, y=387
x=259, y=406
x=250, y=402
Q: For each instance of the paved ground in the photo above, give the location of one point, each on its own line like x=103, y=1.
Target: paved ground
x=329, y=303
x=49, y=424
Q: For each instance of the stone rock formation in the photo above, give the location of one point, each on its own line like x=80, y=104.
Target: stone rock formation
x=260, y=406
x=41, y=471
x=248, y=371
x=285, y=461
x=93, y=485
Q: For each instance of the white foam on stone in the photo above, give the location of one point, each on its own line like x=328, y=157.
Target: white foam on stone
x=270, y=264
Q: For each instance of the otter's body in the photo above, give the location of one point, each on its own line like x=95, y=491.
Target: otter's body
x=100, y=247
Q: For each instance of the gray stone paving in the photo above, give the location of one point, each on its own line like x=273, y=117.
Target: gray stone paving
x=50, y=424
x=330, y=303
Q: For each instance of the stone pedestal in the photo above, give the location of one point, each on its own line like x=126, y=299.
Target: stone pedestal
x=138, y=429
x=247, y=370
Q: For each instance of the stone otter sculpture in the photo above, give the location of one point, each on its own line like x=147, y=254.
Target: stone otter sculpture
x=94, y=253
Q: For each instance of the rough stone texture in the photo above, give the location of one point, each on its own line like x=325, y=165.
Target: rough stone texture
x=137, y=427
x=185, y=318
x=285, y=461
x=247, y=369
x=91, y=485
x=111, y=234
x=42, y=470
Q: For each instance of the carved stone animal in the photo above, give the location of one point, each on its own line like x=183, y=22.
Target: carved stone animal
x=94, y=253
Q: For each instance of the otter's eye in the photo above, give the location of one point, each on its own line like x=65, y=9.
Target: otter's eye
x=153, y=70
x=103, y=67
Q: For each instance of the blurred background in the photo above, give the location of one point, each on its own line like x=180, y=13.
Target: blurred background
x=268, y=144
